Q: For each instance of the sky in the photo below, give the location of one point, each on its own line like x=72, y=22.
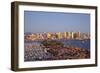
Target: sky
x=39, y=21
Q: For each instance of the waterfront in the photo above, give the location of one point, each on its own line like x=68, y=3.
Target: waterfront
x=56, y=36
x=72, y=49
x=83, y=44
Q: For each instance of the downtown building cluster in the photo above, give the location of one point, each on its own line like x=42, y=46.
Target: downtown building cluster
x=56, y=36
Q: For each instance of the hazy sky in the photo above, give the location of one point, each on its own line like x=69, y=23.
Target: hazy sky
x=36, y=21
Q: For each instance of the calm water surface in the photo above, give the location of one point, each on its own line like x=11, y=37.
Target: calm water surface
x=83, y=44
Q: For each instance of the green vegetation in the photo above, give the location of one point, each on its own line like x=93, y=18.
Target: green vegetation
x=52, y=43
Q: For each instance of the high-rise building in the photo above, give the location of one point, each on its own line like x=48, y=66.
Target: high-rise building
x=68, y=35
x=76, y=35
x=49, y=35
x=65, y=35
x=71, y=35
x=59, y=35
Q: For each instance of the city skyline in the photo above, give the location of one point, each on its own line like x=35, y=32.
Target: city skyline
x=37, y=22
x=56, y=36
